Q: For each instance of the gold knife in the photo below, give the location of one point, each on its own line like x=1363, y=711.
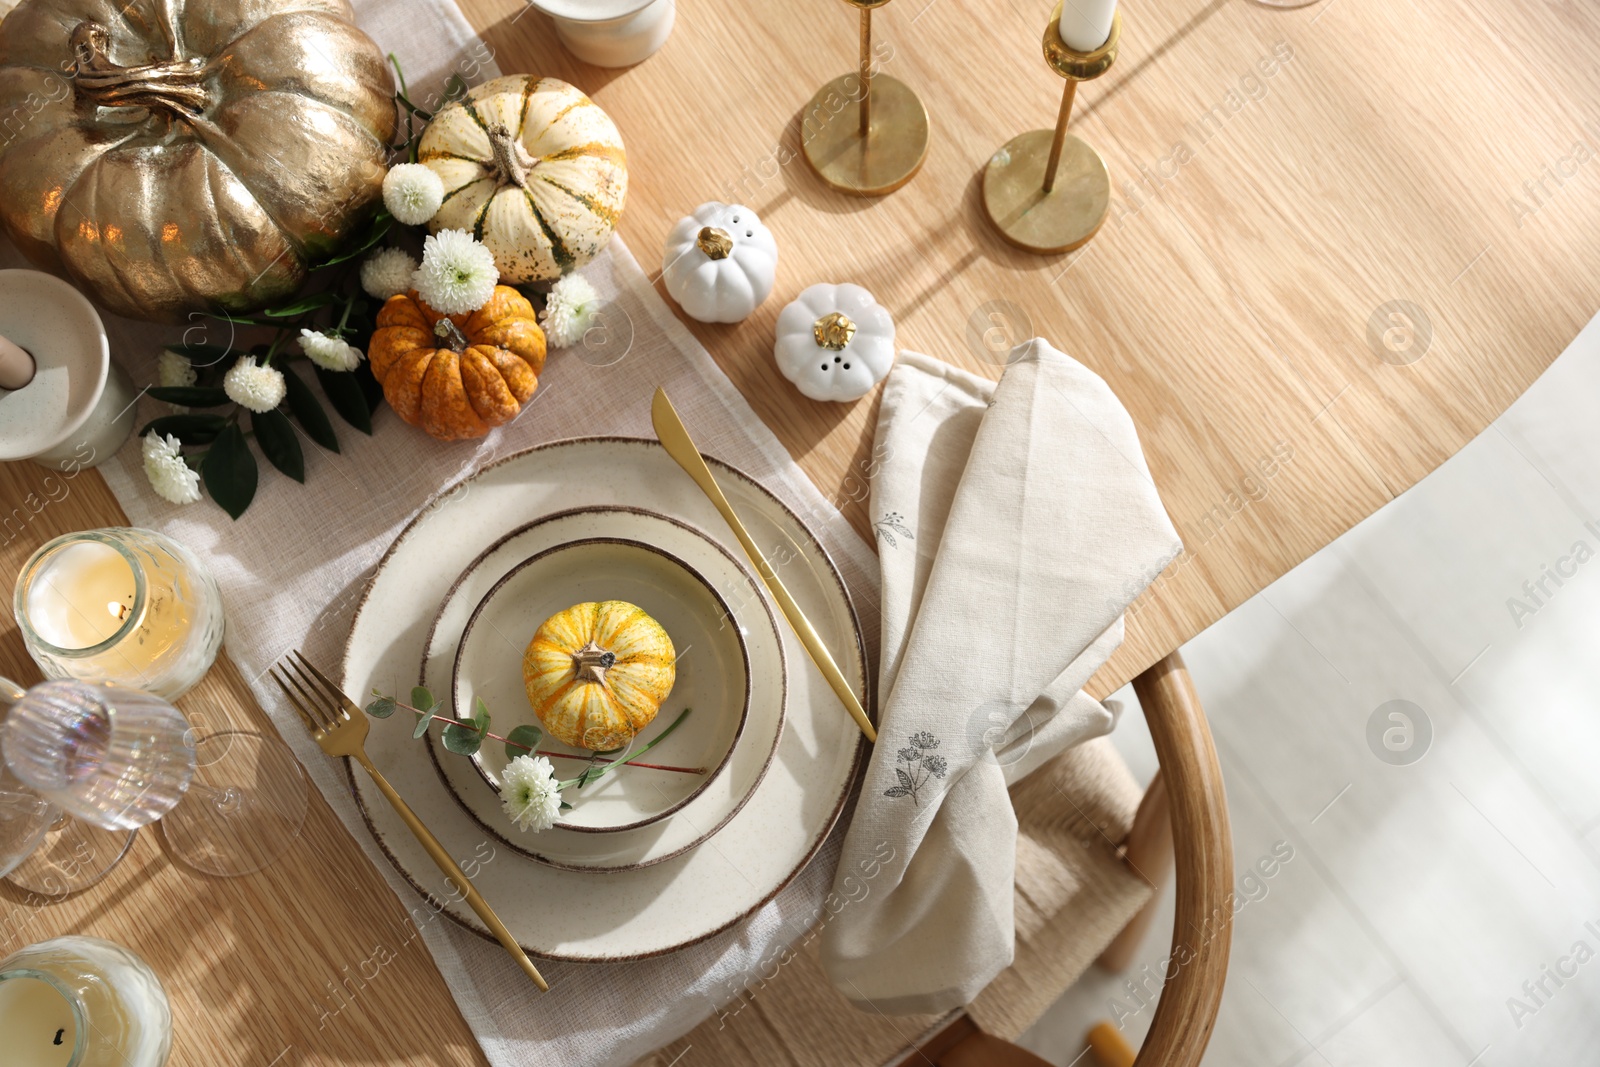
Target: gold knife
x=674, y=437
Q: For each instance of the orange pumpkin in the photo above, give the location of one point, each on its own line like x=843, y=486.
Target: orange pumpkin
x=458, y=376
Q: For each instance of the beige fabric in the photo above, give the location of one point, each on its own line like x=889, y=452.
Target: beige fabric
x=1072, y=896
x=1015, y=523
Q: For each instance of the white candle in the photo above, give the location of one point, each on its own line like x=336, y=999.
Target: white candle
x=85, y=1001
x=1085, y=24
x=126, y=606
x=82, y=596
x=37, y=1022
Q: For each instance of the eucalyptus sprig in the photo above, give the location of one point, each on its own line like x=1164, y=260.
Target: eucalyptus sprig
x=465, y=737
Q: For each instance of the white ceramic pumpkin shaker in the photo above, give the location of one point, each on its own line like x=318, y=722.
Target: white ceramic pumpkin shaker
x=719, y=263
x=62, y=401
x=835, y=342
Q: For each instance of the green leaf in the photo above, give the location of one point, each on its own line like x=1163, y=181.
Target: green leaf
x=276, y=438
x=463, y=738
x=191, y=396
x=523, y=740
x=190, y=429
x=381, y=708
x=344, y=393
x=480, y=714
x=308, y=411
x=229, y=471
x=422, y=726
x=421, y=699
x=376, y=230
x=302, y=306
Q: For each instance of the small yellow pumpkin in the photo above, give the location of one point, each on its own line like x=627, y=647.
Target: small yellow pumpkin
x=597, y=674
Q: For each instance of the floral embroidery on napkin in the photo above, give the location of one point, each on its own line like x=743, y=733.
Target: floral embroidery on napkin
x=896, y=522
x=920, y=765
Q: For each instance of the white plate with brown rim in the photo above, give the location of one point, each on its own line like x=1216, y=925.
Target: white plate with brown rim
x=703, y=813
x=592, y=916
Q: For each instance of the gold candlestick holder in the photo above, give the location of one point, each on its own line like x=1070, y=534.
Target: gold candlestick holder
x=1047, y=191
x=865, y=133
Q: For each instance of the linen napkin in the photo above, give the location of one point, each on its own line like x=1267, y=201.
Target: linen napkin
x=1015, y=523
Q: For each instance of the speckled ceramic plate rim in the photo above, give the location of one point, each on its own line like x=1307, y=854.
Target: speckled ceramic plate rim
x=744, y=660
x=863, y=678
x=777, y=738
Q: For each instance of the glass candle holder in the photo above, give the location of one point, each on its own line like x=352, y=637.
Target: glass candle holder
x=82, y=1002
x=127, y=606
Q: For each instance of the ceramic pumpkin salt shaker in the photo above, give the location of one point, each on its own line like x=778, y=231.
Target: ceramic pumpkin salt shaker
x=720, y=262
x=835, y=342
x=532, y=168
x=457, y=376
x=596, y=674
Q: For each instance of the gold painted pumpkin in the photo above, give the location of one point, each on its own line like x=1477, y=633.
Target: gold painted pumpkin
x=533, y=169
x=457, y=376
x=173, y=156
x=597, y=674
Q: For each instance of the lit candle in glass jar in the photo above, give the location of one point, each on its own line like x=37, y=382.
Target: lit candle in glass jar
x=82, y=1002
x=127, y=606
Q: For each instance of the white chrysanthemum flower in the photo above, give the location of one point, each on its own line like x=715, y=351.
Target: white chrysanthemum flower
x=174, y=369
x=329, y=353
x=412, y=193
x=172, y=479
x=387, y=272
x=569, y=311
x=257, y=388
x=457, y=275
x=529, y=793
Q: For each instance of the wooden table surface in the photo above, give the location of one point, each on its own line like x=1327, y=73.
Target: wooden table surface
x=1281, y=176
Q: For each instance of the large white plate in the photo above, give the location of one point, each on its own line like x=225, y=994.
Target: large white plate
x=608, y=916
x=705, y=813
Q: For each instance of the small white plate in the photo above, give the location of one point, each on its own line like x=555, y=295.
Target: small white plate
x=723, y=797
x=712, y=675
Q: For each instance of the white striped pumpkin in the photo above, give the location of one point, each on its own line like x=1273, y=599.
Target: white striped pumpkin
x=596, y=674
x=533, y=169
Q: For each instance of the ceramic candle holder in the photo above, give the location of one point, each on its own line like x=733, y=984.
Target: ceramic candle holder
x=127, y=606
x=611, y=33
x=82, y=1002
x=77, y=406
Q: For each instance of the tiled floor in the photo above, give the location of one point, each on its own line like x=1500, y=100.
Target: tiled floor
x=1434, y=897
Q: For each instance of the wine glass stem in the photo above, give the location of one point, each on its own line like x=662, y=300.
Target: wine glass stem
x=227, y=800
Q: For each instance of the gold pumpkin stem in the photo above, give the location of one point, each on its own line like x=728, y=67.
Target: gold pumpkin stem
x=833, y=331
x=173, y=88
x=714, y=242
x=591, y=662
x=451, y=335
x=511, y=161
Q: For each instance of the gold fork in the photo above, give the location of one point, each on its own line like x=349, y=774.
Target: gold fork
x=340, y=728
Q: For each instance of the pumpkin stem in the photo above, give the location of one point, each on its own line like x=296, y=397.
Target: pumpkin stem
x=174, y=88
x=591, y=662
x=833, y=331
x=511, y=161
x=714, y=242
x=451, y=335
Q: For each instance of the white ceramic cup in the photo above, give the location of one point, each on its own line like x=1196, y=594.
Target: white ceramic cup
x=610, y=33
x=79, y=406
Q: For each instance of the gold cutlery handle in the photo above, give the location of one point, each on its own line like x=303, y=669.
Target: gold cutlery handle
x=674, y=437
x=449, y=867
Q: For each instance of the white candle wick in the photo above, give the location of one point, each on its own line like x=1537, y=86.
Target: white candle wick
x=16, y=365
